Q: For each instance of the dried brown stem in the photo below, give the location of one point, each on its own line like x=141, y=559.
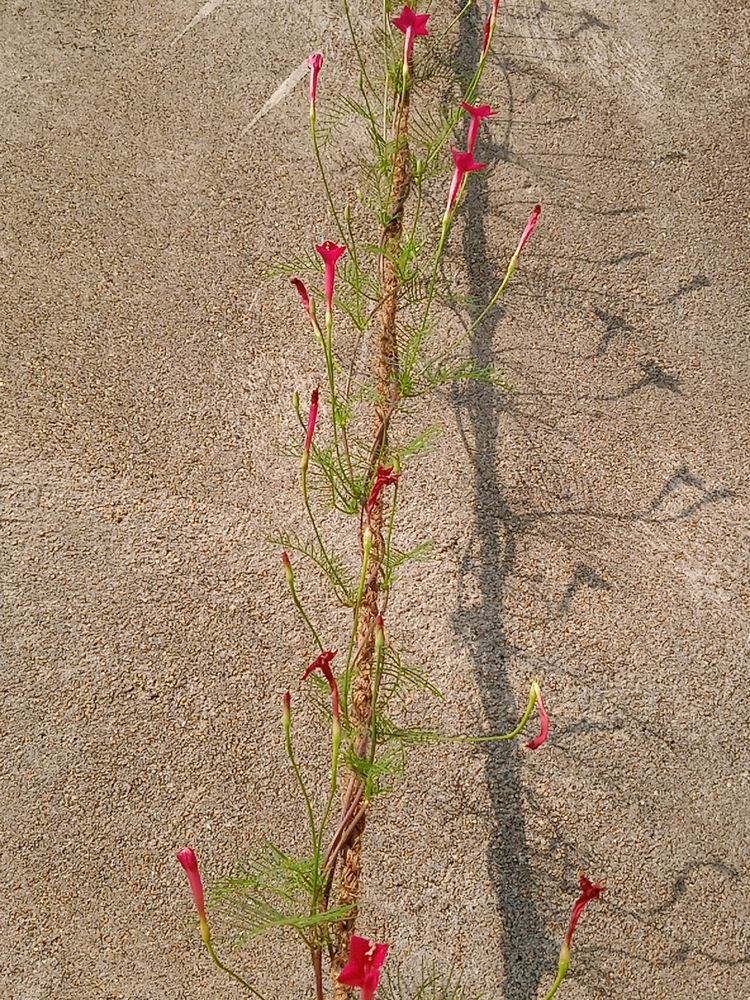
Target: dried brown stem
x=351, y=828
x=317, y=960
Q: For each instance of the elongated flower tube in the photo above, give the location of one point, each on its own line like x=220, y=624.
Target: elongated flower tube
x=323, y=664
x=410, y=24
x=530, y=227
x=189, y=862
x=489, y=27
x=303, y=294
x=464, y=164
x=541, y=738
x=486, y=36
x=383, y=478
x=477, y=112
x=312, y=418
x=331, y=253
x=315, y=63
x=288, y=572
x=362, y=971
x=589, y=891
x=525, y=237
x=512, y=264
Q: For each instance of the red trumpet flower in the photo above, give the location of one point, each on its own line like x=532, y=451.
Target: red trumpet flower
x=543, y=725
x=189, y=862
x=589, y=892
x=362, y=971
x=330, y=252
x=323, y=664
x=464, y=164
x=477, y=113
x=383, y=478
x=489, y=25
x=411, y=25
x=530, y=227
x=315, y=63
x=302, y=291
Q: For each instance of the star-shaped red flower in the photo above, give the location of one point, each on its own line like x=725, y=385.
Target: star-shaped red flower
x=323, y=664
x=464, y=164
x=330, y=252
x=383, y=478
x=411, y=24
x=477, y=112
x=589, y=892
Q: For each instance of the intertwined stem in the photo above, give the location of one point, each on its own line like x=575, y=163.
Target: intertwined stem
x=361, y=707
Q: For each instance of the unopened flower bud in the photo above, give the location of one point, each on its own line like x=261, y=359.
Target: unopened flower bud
x=288, y=572
x=286, y=708
x=189, y=862
x=315, y=64
x=543, y=721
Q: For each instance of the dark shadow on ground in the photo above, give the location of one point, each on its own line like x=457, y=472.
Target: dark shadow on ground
x=527, y=950
x=492, y=560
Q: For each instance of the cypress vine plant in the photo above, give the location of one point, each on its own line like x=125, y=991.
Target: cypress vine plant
x=380, y=279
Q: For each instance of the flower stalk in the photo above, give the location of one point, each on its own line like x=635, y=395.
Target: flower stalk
x=364, y=481
x=589, y=892
x=187, y=858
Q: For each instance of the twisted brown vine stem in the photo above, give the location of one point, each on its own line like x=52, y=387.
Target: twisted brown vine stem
x=386, y=367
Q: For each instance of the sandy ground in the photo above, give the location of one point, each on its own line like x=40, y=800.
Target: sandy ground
x=591, y=527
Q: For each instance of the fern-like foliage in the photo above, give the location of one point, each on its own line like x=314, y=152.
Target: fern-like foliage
x=331, y=563
x=379, y=775
x=468, y=370
x=395, y=558
x=420, y=444
x=271, y=891
x=431, y=985
x=399, y=679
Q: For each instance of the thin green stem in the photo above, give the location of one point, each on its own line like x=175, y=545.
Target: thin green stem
x=487, y=309
x=328, y=351
x=557, y=984
x=300, y=780
x=358, y=52
x=352, y=244
x=324, y=178
x=530, y=705
x=456, y=19
x=330, y=568
x=318, y=847
x=445, y=229
x=495, y=298
x=298, y=605
x=377, y=674
x=386, y=74
x=333, y=783
x=230, y=972
x=366, y=548
x=562, y=970
x=405, y=68
x=418, y=184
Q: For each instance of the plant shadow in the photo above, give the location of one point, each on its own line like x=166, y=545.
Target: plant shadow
x=528, y=952
x=486, y=570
